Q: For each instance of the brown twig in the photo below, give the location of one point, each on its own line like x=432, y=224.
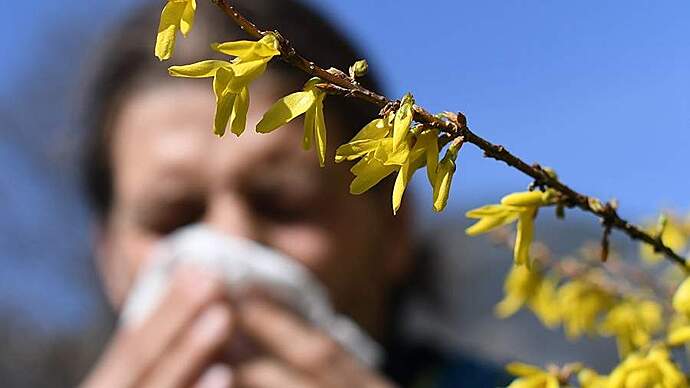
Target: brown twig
x=341, y=84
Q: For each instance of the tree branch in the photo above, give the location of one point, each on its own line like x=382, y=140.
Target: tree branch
x=343, y=85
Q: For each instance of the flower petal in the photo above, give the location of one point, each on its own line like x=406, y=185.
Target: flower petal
x=224, y=105
x=523, y=370
x=442, y=183
x=320, y=130
x=247, y=50
x=401, y=181
x=523, y=239
x=375, y=130
x=309, y=124
x=488, y=223
x=402, y=121
x=187, y=19
x=356, y=149
x=238, y=117
x=167, y=29
x=285, y=110
x=201, y=69
x=525, y=198
x=369, y=171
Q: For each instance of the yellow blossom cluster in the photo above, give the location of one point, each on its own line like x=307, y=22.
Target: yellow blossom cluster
x=391, y=144
x=231, y=80
x=649, y=369
x=583, y=307
x=653, y=369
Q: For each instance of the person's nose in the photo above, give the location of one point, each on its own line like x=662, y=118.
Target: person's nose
x=231, y=214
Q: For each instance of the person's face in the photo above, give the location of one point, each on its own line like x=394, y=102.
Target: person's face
x=170, y=170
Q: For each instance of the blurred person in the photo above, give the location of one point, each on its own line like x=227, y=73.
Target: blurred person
x=152, y=166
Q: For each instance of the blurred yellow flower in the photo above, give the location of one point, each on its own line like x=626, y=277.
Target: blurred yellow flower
x=681, y=298
x=176, y=15
x=519, y=288
x=589, y=378
x=655, y=369
x=674, y=235
x=633, y=323
x=679, y=330
x=308, y=102
x=530, y=376
x=231, y=80
x=529, y=287
x=545, y=305
x=517, y=206
x=581, y=303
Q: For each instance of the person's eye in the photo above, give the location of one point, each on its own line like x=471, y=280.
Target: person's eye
x=276, y=207
x=167, y=218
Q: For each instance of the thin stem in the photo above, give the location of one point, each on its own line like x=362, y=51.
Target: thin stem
x=341, y=84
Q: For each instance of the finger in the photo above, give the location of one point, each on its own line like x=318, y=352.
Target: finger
x=187, y=358
x=300, y=346
x=287, y=337
x=138, y=348
x=217, y=376
x=267, y=373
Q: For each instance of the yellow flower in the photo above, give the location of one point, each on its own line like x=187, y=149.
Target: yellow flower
x=308, y=102
x=655, y=369
x=424, y=152
x=679, y=332
x=545, y=305
x=589, y=378
x=366, y=140
x=519, y=288
x=633, y=323
x=517, y=206
x=375, y=145
x=673, y=235
x=530, y=376
x=581, y=302
x=176, y=15
x=523, y=286
x=231, y=80
x=681, y=299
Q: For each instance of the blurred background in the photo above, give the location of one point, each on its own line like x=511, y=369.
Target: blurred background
x=598, y=90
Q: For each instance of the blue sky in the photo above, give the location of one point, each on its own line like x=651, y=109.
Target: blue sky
x=598, y=90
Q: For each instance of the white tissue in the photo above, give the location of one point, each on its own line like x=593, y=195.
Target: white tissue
x=246, y=264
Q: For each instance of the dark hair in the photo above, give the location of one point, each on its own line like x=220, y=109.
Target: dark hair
x=126, y=61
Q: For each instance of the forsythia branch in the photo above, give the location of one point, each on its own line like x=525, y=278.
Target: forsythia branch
x=337, y=82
